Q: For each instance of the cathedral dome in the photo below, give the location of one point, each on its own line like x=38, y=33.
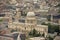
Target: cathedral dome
x=30, y=14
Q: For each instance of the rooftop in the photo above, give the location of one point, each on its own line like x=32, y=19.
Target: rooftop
x=30, y=14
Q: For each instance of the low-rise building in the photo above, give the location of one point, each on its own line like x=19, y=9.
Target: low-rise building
x=6, y=37
x=57, y=38
x=37, y=38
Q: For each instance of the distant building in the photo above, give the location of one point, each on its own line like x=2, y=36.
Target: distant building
x=56, y=19
x=29, y=24
x=5, y=37
x=9, y=36
x=37, y=38
x=57, y=38
x=13, y=36
x=4, y=25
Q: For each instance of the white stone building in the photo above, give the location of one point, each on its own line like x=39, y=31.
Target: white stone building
x=29, y=24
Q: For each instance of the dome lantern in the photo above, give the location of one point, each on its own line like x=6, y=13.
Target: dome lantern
x=30, y=14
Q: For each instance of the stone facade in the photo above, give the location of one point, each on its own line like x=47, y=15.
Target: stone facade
x=30, y=24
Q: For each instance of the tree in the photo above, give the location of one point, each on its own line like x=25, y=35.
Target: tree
x=30, y=33
x=50, y=38
x=7, y=26
x=39, y=34
x=1, y=20
x=53, y=28
x=43, y=23
x=49, y=17
x=43, y=34
x=13, y=30
x=34, y=33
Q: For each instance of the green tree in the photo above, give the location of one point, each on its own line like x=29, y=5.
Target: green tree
x=34, y=33
x=49, y=17
x=39, y=34
x=53, y=28
x=13, y=30
x=50, y=38
x=43, y=23
x=1, y=20
x=30, y=33
x=43, y=34
x=7, y=26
